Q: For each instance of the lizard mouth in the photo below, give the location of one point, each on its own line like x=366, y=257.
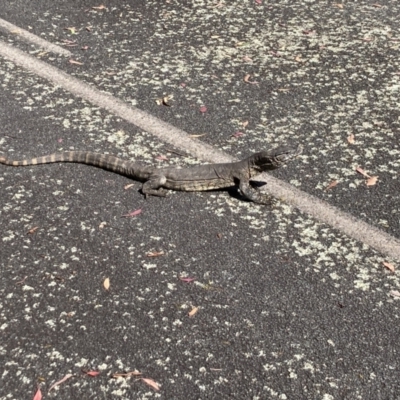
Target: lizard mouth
x=279, y=157
x=286, y=154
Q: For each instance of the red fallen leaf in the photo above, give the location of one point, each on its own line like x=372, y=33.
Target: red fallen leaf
x=193, y=311
x=332, y=185
x=38, y=395
x=60, y=381
x=237, y=134
x=246, y=79
x=203, y=109
x=155, y=253
x=67, y=41
x=389, y=266
x=59, y=140
x=151, y=383
x=133, y=213
x=258, y=1
x=187, y=279
x=161, y=157
x=92, y=373
x=372, y=181
x=362, y=172
x=22, y=281
x=32, y=230
x=351, y=138
x=126, y=374
x=183, y=84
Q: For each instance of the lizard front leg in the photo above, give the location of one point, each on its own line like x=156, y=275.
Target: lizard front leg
x=253, y=194
x=153, y=186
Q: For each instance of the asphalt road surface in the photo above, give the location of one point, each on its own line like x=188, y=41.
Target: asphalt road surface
x=200, y=295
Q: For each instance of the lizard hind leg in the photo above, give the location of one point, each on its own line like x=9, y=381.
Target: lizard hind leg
x=153, y=186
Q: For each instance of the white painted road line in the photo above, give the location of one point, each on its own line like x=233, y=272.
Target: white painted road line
x=311, y=205
x=31, y=38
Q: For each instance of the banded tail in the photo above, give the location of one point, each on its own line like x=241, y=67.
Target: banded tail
x=104, y=161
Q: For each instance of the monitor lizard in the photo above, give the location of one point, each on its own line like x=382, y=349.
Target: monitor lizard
x=196, y=178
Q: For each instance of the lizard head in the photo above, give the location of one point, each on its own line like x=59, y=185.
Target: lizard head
x=272, y=159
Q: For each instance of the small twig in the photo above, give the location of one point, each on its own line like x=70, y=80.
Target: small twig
x=176, y=152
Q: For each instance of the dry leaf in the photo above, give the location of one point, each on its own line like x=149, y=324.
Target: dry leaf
x=21, y=282
x=237, y=134
x=372, y=181
x=332, y=185
x=219, y=5
x=92, y=373
x=32, y=230
x=71, y=29
x=151, y=383
x=245, y=123
x=362, y=172
x=101, y=7
x=133, y=213
x=350, y=139
x=60, y=381
x=161, y=157
x=196, y=136
x=126, y=374
x=128, y=186
x=395, y=293
x=102, y=225
x=69, y=42
x=338, y=5
x=193, y=311
x=38, y=395
x=165, y=100
x=389, y=266
x=299, y=59
x=106, y=283
x=247, y=59
x=71, y=61
x=187, y=279
x=155, y=253
x=246, y=79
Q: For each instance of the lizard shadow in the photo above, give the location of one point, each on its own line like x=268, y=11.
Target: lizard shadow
x=234, y=191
